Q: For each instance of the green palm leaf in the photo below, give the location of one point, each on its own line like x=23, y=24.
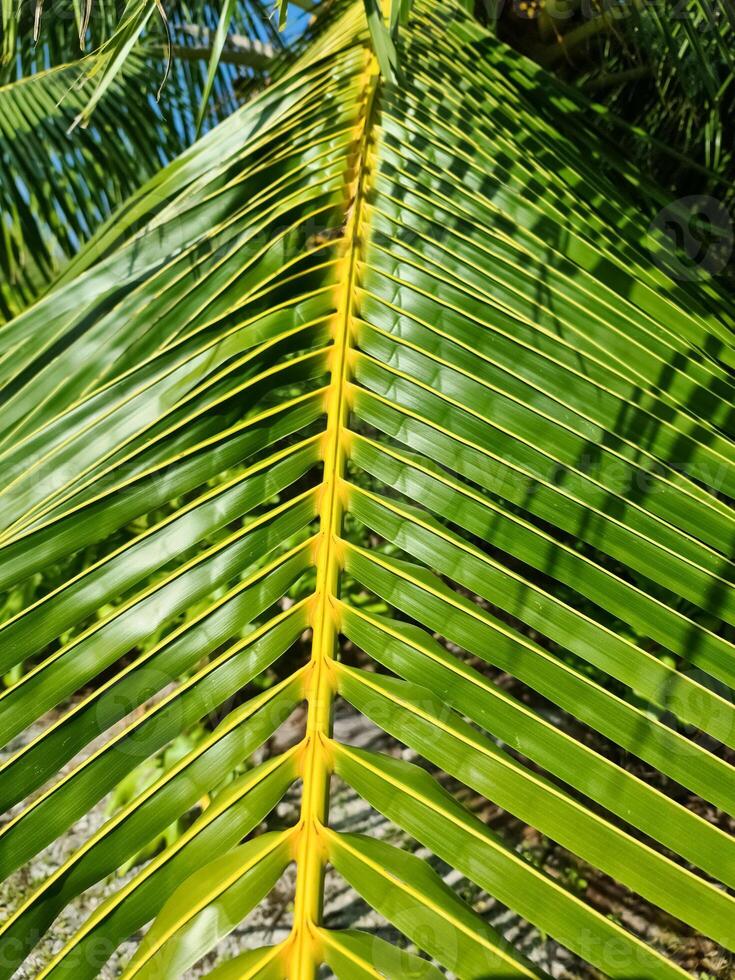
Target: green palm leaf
x=59, y=186
x=383, y=393
x=57, y=189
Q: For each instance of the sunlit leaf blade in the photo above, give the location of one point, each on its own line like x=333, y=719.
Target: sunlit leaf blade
x=351, y=953
x=218, y=43
x=150, y=813
x=410, y=894
x=418, y=804
x=108, y=63
x=208, y=906
x=414, y=655
x=233, y=814
x=415, y=716
x=382, y=40
x=266, y=963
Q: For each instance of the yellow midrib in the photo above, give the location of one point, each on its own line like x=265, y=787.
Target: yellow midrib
x=304, y=946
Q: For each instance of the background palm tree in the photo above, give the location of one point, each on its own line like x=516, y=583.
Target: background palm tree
x=391, y=392
x=134, y=97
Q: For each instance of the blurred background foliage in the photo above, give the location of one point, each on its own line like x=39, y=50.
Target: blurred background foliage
x=664, y=69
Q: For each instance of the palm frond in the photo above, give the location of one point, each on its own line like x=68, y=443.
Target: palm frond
x=60, y=186
x=669, y=70
x=57, y=189
x=32, y=43
x=379, y=394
